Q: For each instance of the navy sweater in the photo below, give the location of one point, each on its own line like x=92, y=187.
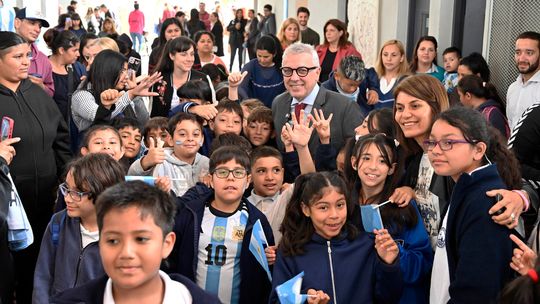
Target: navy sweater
x=360, y=276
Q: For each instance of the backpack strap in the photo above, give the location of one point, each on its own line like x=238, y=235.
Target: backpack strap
x=56, y=227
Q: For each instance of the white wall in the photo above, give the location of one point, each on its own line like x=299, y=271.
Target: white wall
x=441, y=22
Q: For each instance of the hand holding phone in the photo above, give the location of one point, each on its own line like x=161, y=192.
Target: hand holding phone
x=133, y=66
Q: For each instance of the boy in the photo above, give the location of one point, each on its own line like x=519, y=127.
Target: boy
x=249, y=105
x=214, y=231
x=182, y=163
x=130, y=132
x=267, y=176
x=260, y=127
x=156, y=127
x=69, y=252
x=352, y=80
x=228, y=119
x=135, y=221
x=451, y=57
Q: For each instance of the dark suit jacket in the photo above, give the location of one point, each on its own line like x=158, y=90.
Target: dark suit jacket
x=347, y=117
x=253, y=32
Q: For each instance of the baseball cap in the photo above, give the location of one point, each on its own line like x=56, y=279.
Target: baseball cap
x=30, y=14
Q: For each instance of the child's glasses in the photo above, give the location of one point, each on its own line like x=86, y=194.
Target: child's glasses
x=224, y=173
x=75, y=195
x=444, y=144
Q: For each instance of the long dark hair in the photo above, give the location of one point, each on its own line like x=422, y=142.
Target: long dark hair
x=85, y=39
x=476, y=129
x=271, y=44
x=173, y=46
x=396, y=218
x=414, y=61
x=105, y=72
x=475, y=85
x=164, y=27
x=297, y=229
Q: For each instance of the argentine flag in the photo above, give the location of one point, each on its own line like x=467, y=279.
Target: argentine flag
x=289, y=292
x=256, y=246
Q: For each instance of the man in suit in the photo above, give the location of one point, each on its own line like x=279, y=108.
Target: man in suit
x=252, y=33
x=301, y=71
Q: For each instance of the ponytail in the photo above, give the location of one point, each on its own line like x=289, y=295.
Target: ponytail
x=474, y=85
x=508, y=165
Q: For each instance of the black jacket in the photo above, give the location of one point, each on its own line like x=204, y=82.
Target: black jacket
x=7, y=279
x=217, y=30
x=236, y=36
x=42, y=152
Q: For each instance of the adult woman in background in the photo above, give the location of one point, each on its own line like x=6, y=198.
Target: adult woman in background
x=41, y=154
x=107, y=79
x=194, y=24
x=65, y=51
x=170, y=29
x=289, y=32
x=264, y=80
x=216, y=27
x=424, y=58
x=336, y=46
x=391, y=67
x=176, y=67
x=205, y=42
x=94, y=47
x=91, y=21
x=236, y=29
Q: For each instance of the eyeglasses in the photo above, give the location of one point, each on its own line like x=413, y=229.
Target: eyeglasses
x=300, y=71
x=444, y=144
x=75, y=195
x=224, y=173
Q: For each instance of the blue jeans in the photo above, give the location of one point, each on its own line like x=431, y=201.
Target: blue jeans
x=136, y=46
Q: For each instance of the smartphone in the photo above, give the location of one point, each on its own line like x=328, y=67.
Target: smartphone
x=7, y=128
x=133, y=65
x=498, y=198
x=68, y=19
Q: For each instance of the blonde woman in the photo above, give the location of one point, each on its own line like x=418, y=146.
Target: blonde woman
x=289, y=32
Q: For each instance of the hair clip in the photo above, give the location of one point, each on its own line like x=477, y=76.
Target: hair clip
x=533, y=275
x=484, y=84
x=396, y=142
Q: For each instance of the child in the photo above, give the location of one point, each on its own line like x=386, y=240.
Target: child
x=472, y=254
x=267, y=175
x=228, y=119
x=249, y=105
x=156, y=127
x=182, y=163
x=135, y=222
x=340, y=263
x=97, y=139
x=374, y=161
x=451, y=57
x=130, y=132
x=214, y=231
x=103, y=139
x=69, y=253
x=523, y=290
x=260, y=127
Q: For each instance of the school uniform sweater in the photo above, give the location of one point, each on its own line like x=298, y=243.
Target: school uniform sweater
x=352, y=266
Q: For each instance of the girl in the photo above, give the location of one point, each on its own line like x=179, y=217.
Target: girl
x=194, y=24
x=176, y=66
x=76, y=26
x=461, y=147
x=69, y=254
x=102, y=95
x=85, y=49
x=170, y=29
x=205, y=42
x=483, y=97
x=420, y=98
x=264, y=80
x=391, y=68
x=425, y=58
x=336, y=46
x=320, y=239
x=374, y=161
x=289, y=32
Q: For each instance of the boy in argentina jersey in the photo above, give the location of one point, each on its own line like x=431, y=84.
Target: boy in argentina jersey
x=220, y=245
x=213, y=227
